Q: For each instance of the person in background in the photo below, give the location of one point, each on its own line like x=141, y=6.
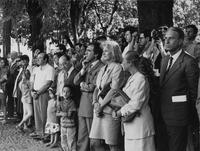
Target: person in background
x=131, y=39
x=4, y=71
x=25, y=88
x=56, y=57
x=67, y=112
x=13, y=72
x=190, y=45
x=104, y=128
x=52, y=126
x=42, y=80
x=17, y=93
x=86, y=78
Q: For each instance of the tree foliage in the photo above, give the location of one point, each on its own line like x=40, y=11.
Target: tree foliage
x=72, y=19
x=186, y=12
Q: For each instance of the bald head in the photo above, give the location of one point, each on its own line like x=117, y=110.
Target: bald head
x=64, y=62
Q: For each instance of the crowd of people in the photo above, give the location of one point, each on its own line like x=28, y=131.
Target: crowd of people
x=107, y=96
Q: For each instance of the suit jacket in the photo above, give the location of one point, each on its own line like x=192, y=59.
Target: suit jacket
x=89, y=79
x=137, y=89
x=179, y=90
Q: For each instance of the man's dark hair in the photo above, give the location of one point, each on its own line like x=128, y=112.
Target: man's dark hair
x=46, y=57
x=70, y=87
x=58, y=54
x=67, y=57
x=62, y=47
x=179, y=31
x=195, y=29
x=101, y=38
x=24, y=57
x=130, y=28
x=97, y=49
x=146, y=32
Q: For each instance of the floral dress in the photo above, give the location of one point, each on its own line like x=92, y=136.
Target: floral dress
x=52, y=125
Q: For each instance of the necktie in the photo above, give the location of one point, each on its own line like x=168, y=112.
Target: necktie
x=169, y=66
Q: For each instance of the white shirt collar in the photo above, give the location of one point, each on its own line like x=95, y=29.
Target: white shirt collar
x=94, y=63
x=70, y=70
x=176, y=55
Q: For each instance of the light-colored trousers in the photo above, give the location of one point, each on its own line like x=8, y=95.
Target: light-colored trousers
x=68, y=138
x=40, y=112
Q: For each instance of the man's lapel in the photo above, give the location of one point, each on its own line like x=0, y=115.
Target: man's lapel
x=91, y=69
x=163, y=68
x=174, y=68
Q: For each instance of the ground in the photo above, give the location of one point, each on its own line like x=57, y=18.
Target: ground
x=13, y=140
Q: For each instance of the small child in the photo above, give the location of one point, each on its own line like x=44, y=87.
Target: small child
x=67, y=113
x=52, y=126
x=25, y=88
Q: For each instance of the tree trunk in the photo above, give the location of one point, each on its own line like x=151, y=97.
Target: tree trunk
x=6, y=38
x=36, y=40
x=75, y=14
x=154, y=13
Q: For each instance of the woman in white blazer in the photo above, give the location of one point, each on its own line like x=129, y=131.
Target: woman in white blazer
x=139, y=133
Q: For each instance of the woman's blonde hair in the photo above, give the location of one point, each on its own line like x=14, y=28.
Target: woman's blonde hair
x=115, y=49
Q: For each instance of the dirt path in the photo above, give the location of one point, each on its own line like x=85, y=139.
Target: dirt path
x=12, y=140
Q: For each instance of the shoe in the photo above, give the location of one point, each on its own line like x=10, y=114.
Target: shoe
x=20, y=128
x=45, y=141
x=48, y=144
x=34, y=134
x=38, y=138
x=54, y=145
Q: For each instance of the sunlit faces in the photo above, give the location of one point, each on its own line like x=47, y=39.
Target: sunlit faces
x=172, y=41
x=128, y=36
x=107, y=53
x=64, y=63
x=56, y=59
x=66, y=92
x=40, y=59
x=189, y=33
x=89, y=53
x=142, y=40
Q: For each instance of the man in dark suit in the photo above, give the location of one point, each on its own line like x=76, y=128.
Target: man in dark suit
x=178, y=86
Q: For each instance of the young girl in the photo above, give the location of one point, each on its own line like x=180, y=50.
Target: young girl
x=25, y=88
x=52, y=126
x=67, y=113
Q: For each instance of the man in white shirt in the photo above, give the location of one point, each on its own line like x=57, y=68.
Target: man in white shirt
x=42, y=80
x=64, y=65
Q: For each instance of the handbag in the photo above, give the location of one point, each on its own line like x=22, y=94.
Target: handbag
x=120, y=99
x=105, y=90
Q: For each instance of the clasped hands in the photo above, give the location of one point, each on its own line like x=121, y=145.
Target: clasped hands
x=98, y=109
